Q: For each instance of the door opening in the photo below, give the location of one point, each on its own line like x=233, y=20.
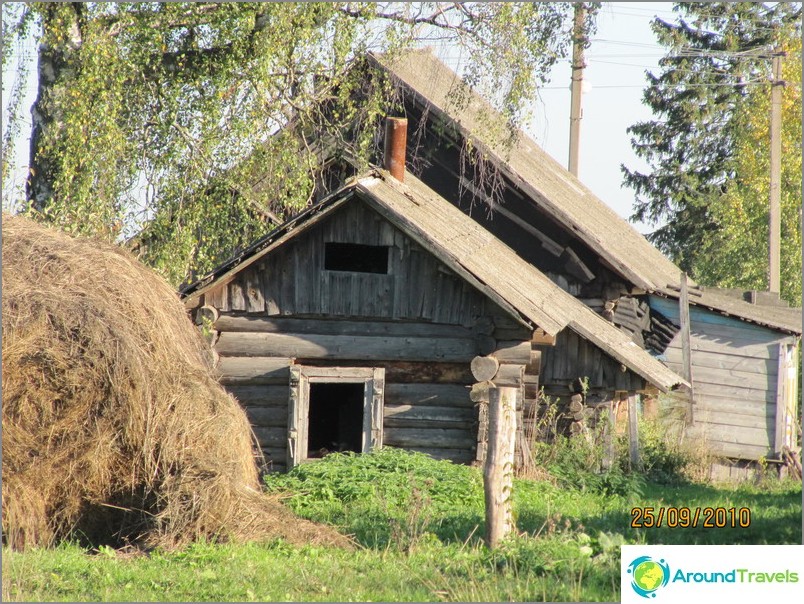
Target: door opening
x=336, y=418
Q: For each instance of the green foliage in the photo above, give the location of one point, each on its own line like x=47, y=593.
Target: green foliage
x=717, y=60
x=389, y=495
x=734, y=254
x=199, y=122
x=663, y=458
x=568, y=549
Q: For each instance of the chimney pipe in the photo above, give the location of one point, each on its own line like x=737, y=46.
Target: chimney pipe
x=396, y=138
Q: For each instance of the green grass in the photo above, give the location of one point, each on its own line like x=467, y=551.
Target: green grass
x=419, y=524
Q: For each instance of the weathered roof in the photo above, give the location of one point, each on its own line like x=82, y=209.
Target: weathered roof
x=555, y=190
x=472, y=252
x=776, y=317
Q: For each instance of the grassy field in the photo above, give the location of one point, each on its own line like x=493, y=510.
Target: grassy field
x=417, y=524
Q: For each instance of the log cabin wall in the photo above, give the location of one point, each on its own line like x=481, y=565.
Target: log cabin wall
x=741, y=408
x=418, y=320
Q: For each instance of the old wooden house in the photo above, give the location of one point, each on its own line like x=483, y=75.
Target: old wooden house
x=353, y=326
x=743, y=355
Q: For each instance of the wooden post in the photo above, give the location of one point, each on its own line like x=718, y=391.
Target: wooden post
x=498, y=470
x=686, y=350
x=609, y=435
x=633, y=431
x=576, y=88
x=775, y=175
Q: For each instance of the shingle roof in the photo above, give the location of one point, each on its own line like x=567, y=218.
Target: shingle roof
x=555, y=190
x=476, y=255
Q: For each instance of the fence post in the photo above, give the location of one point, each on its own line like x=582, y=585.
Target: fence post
x=498, y=470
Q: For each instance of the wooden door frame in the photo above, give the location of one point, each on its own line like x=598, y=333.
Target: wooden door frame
x=301, y=376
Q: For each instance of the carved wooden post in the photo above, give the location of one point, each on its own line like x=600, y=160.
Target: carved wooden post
x=498, y=471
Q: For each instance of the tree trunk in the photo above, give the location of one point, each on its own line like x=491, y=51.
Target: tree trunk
x=57, y=59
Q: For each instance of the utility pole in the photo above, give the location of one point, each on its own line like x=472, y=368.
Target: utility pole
x=578, y=64
x=775, y=214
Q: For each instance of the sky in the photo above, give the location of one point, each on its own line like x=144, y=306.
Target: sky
x=622, y=50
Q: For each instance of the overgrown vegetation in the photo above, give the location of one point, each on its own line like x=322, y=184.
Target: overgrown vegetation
x=420, y=523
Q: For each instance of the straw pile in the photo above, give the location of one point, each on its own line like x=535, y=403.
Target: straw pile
x=114, y=430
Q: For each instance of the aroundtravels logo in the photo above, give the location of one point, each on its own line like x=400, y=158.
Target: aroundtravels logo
x=648, y=575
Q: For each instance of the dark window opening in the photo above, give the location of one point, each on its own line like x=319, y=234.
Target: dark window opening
x=356, y=258
x=336, y=419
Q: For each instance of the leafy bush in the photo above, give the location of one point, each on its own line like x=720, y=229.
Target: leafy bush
x=389, y=495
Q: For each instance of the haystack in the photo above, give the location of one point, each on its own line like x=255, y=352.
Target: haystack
x=114, y=427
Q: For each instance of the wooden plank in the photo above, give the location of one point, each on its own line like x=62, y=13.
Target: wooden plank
x=738, y=435
x=316, y=346
x=736, y=393
x=759, y=351
x=724, y=420
x=236, y=298
x=268, y=417
x=253, y=291
x=263, y=395
x=430, y=437
x=779, y=391
x=243, y=323
x=253, y=370
x=440, y=395
x=738, y=451
x=729, y=377
x=719, y=360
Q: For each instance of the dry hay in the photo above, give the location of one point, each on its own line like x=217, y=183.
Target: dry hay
x=114, y=429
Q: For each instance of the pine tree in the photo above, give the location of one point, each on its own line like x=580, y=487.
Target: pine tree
x=717, y=53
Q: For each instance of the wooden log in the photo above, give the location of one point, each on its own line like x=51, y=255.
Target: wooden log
x=498, y=470
x=575, y=405
x=338, y=327
x=445, y=438
x=454, y=455
x=419, y=413
x=542, y=338
x=271, y=437
x=409, y=372
x=509, y=375
x=421, y=372
x=207, y=314
x=253, y=370
x=484, y=368
x=512, y=351
x=316, y=346
x=260, y=395
x=486, y=344
x=440, y=395
x=479, y=392
x=268, y=417
x=534, y=366
x=576, y=428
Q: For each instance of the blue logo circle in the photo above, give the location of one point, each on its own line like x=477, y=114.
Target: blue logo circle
x=648, y=575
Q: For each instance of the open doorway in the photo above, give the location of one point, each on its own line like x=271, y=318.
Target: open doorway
x=336, y=418
x=334, y=409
